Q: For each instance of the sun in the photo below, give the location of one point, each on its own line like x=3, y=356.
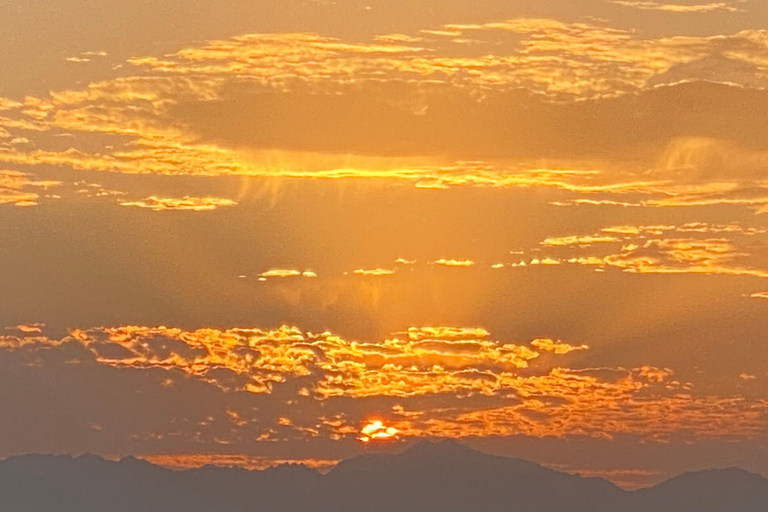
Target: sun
x=376, y=430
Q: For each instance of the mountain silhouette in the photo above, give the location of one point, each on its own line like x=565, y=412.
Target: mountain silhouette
x=430, y=476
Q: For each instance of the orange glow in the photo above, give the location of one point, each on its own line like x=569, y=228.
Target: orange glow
x=250, y=462
x=376, y=430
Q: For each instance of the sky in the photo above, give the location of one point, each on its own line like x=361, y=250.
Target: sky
x=301, y=230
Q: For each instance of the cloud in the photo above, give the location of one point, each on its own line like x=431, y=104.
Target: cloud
x=682, y=255
x=417, y=362
x=287, y=273
x=679, y=8
x=86, y=57
x=542, y=54
x=654, y=409
x=187, y=203
x=689, y=248
x=495, y=388
x=32, y=328
x=584, y=241
x=429, y=112
x=21, y=189
x=690, y=227
x=428, y=134
x=249, y=462
x=453, y=263
x=374, y=272
x=545, y=261
x=556, y=347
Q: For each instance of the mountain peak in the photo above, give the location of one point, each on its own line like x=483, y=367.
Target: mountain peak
x=429, y=476
x=439, y=447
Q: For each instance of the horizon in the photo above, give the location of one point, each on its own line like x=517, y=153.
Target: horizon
x=304, y=230
x=436, y=447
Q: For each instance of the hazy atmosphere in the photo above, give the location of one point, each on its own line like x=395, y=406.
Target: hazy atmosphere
x=249, y=233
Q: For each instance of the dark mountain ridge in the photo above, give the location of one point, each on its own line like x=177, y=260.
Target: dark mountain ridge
x=444, y=476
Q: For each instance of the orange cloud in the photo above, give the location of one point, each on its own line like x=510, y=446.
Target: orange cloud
x=462, y=363
x=416, y=362
x=187, y=203
x=20, y=189
x=249, y=462
x=287, y=273
x=679, y=8
x=570, y=403
x=643, y=250
x=374, y=272
x=556, y=347
x=543, y=55
x=578, y=240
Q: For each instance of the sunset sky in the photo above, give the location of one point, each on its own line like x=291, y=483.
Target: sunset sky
x=299, y=230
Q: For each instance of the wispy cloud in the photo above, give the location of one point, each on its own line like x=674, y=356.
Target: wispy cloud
x=21, y=189
x=374, y=272
x=453, y=262
x=186, y=203
x=680, y=8
x=287, y=273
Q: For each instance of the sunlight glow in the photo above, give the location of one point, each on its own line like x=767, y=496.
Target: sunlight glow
x=376, y=430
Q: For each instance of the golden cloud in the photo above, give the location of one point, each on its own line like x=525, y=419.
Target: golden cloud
x=453, y=263
x=187, y=203
x=408, y=79
x=287, y=273
x=374, y=272
x=249, y=462
x=578, y=240
x=556, y=347
x=553, y=56
x=434, y=361
x=572, y=403
x=644, y=249
x=21, y=189
x=416, y=362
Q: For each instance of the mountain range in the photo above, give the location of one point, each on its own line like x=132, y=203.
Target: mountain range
x=430, y=476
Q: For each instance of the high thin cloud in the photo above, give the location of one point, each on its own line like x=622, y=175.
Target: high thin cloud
x=453, y=262
x=376, y=272
x=583, y=241
x=680, y=8
x=187, y=203
x=280, y=272
x=544, y=54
